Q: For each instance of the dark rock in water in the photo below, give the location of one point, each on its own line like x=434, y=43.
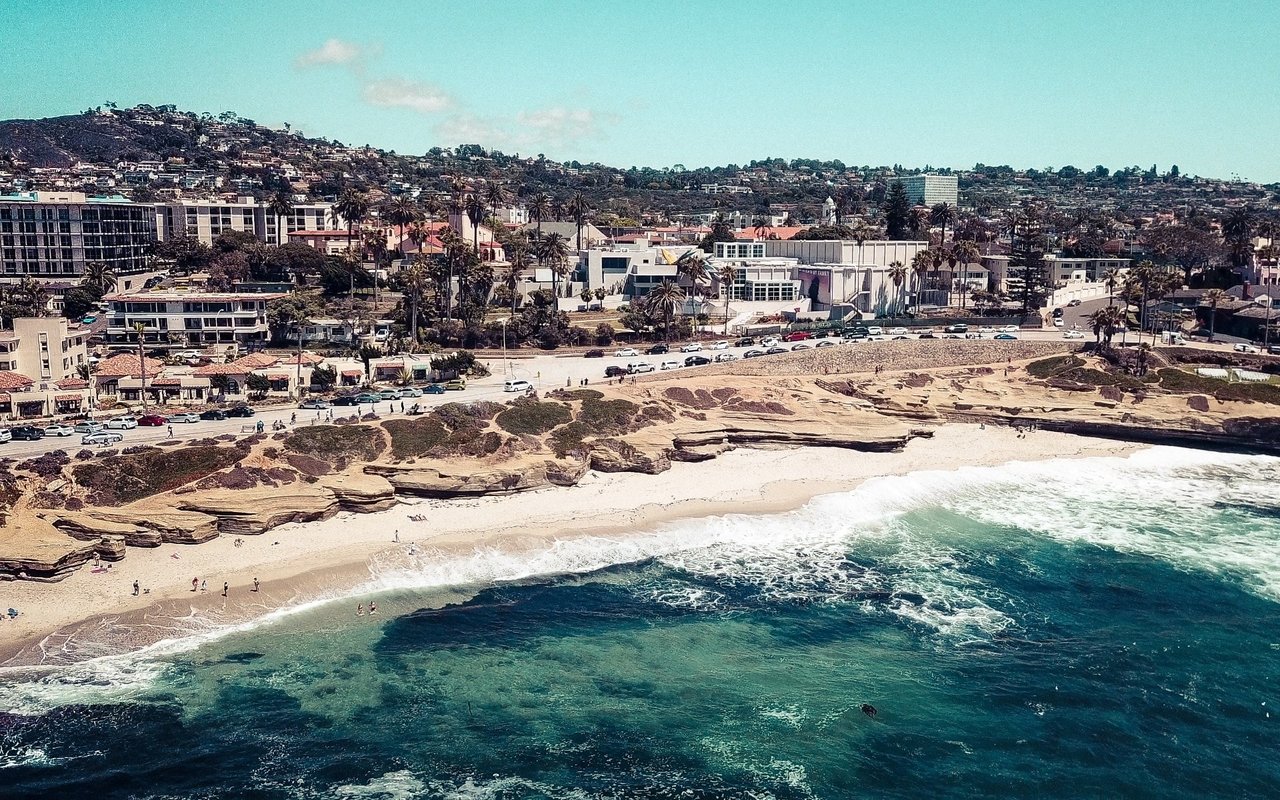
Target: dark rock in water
x=910, y=597
x=880, y=596
x=243, y=658
x=10, y=721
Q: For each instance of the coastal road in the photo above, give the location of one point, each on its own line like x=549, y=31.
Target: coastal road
x=544, y=371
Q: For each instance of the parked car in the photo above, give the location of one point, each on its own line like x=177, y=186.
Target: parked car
x=670, y=365
x=745, y=341
x=797, y=336
x=1072, y=334
x=1074, y=303
x=691, y=347
x=240, y=411
x=389, y=394
x=1006, y=336
x=1246, y=348
x=435, y=388
x=122, y=424
x=801, y=347
x=639, y=367
x=366, y=397
x=875, y=330
x=721, y=345
x=456, y=385
x=185, y=417
x=986, y=329
x=855, y=332
x=213, y=414
x=1274, y=349
x=825, y=343
x=615, y=371
x=187, y=355
x=1057, y=312
x=26, y=433
x=926, y=335
x=696, y=361
x=5, y=436
x=349, y=400
x=102, y=437
x=897, y=331
x=314, y=404
x=626, y=352
x=517, y=386
x=411, y=391
x=775, y=350
x=89, y=426
x=722, y=358
x=770, y=341
x=152, y=420
x=659, y=349
x=1057, y=322
x=958, y=327
x=1010, y=329
x=596, y=353
x=59, y=429
x=753, y=354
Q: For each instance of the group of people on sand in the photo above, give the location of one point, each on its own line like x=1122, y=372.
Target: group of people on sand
x=198, y=585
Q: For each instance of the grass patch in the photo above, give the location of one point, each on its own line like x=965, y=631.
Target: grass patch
x=581, y=394
x=414, y=438
x=1053, y=366
x=335, y=443
x=1097, y=377
x=1176, y=380
x=568, y=439
x=533, y=417
x=608, y=417
x=124, y=479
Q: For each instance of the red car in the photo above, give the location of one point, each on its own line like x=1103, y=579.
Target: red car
x=797, y=336
x=154, y=420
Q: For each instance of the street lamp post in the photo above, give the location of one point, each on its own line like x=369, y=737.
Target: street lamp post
x=1265, y=301
x=506, y=365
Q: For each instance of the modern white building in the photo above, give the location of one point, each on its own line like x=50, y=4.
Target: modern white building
x=930, y=189
x=1062, y=269
x=189, y=318
x=44, y=348
x=207, y=219
x=53, y=235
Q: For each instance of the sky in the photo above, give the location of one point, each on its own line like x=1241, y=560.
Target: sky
x=1029, y=83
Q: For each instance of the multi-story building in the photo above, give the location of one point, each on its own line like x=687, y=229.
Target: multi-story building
x=189, y=318
x=53, y=235
x=44, y=348
x=206, y=219
x=930, y=189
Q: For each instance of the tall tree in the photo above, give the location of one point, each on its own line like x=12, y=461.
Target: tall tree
x=942, y=214
x=897, y=274
x=897, y=212
x=400, y=212
x=578, y=209
x=921, y=264
x=353, y=208
x=966, y=253
x=1237, y=233
x=295, y=309
x=539, y=209
x=474, y=207
x=99, y=278
x=692, y=266
x=552, y=251
x=495, y=195
x=662, y=301
x=726, y=275
x=1026, y=256
x=518, y=261
x=280, y=206
x=1213, y=298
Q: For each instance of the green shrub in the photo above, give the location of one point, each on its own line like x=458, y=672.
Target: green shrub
x=1052, y=366
x=1176, y=380
x=123, y=479
x=608, y=417
x=411, y=438
x=568, y=439
x=581, y=394
x=337, y=443
x=533, y=417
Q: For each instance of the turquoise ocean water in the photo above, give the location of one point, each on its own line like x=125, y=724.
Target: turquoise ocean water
x=1092, y=628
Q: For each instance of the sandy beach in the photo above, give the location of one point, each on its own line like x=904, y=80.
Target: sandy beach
x=94, y=612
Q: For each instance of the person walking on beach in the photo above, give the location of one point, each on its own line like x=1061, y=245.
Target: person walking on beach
x=195, y=584
x=204, y=586
x=135, y=588
x=255, y=584
x=170, y=431
x=293, y=418
x=397, y=538
x=225, y=586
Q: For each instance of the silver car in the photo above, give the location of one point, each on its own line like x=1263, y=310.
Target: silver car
x=101, y=437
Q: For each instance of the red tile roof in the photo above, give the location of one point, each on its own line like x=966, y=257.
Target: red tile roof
x=167, y=380
x=220, y=369
x=770, y=232
x=307, y=359
x=125, y=365
x=67, y=398
x=257, y=361
x=71, y=383
x=352, y=373
x=14, y=380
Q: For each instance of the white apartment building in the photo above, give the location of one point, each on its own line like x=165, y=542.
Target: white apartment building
x=206, y=219
x=1062, y=269
x=53, y=235
x=930, y=189
x=44, y=348
x=189, y=318
x=513, y=215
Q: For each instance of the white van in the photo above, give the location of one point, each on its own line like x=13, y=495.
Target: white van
x=517, y=386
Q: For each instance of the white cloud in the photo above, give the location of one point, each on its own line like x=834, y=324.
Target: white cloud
x=399, y=93
x=542, y=129
x=333, y=51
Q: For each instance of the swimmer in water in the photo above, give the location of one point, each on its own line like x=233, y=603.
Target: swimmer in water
x=360, y=609
x=869, y=709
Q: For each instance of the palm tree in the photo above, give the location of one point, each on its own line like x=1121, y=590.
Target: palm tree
x=897, y=274
x=401, y=212
x=495, y=195
x=921, y=263
x=966, y=253
x=918, y=220
x=99, y=277
x=727, y=275
x=861, y=232
x=663, y=300
x=474, y=208
x=414, y=284
x=352, y=206
x=519, y=261
x=280, y=206
x=539, y=209
x=761, y=226
x=1112, y=279
x=1104, y=322
x=1213, y=297
x=552, y=251
x=578, y=209
x=142, y=363
x=1237, y=230
x=942, y=214
x=693, y=267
